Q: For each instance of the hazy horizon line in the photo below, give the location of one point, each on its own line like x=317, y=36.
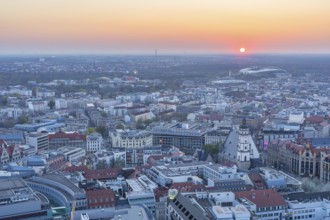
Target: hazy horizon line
x=159, y=54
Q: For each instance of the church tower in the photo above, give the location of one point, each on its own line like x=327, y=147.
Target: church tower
x=244, y=146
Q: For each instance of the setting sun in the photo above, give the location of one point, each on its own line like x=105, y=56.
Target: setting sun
x=242, y=50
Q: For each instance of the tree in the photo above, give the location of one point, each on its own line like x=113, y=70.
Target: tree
x=119, y=163
x=51, y=104
x=23, y=120
x=8, y=123
x=212, y=149
x=3, y=100
x=102, y=165
x=102, y=130
x=120, y=126
x=104, y=114
x=90, y=130
x=140, y=124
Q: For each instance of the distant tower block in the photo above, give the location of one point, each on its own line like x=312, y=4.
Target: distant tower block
x=156, y=53
x=229, y=74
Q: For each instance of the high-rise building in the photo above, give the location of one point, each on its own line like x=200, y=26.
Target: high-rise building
x=187, y=138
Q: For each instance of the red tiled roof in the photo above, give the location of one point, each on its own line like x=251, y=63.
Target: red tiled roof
x=257, y=180
x=71, y=136
x=73, y=169
x=102, y=174
x=154, y=158
x=160, y=192
x=297, y=148
x=294, y=147
x=100, y=193
x=262, y=198
x=315, y=119
x=318, y=151
x=10, y=150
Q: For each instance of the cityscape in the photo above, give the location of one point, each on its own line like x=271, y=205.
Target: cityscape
x=144, y=126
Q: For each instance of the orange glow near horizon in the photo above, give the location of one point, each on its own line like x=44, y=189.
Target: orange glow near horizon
x=171, y=26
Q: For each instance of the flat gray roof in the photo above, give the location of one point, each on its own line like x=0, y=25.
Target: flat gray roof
x=60, y=178
x=6, y=184
x=135, y=212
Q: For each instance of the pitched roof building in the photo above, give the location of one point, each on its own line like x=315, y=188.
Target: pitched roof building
x=266, y=204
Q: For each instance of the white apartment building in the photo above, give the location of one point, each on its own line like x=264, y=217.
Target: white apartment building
x=38, y=106
x=94, y=142
x=308, y=206
x=61, y=103
x=130, y=139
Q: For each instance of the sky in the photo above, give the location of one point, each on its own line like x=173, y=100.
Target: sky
x=170, y=26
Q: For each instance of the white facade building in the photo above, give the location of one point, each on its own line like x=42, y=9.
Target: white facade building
x=61, y=104
x=310, y=209
x=175, y=173
x=11, y=112
x=296, y=117
x=217, y=172
x=37, y=140
x=38, y=106
x=130, y=139
x=94, y=142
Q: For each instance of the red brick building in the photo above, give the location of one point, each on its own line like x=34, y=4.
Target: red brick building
x=100, y=198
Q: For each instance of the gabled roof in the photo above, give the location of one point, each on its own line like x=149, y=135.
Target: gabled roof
x=10, y=150
x=185, y=207
x=5, y=149
x=315, y=119
x=257, y=180
x=262, y=198
x=3, y=143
